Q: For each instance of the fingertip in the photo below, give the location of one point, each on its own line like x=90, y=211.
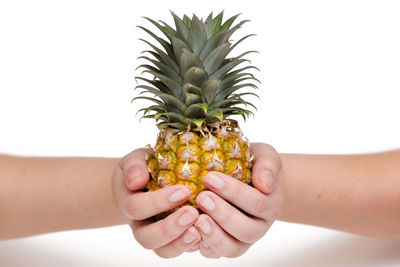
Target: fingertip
x=218, y=174
x=202, y=218
x=186, y=216
x=264, y=180
x=134, y=169
x=203, y=224
x=191, y=236
x=136, y=177
x=192, y=230
x=194, y=247
x=180, y=187
x=200, y=196
x=178, y=193
x=192, y=210
x=187, y=209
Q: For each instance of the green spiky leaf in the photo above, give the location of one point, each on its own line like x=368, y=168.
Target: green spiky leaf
x=186, y=20
x=198, y=122
x=210, y=88
x=208, y=25
x=213, y=61
x=180, y=26
x=192, y=99
x=217, y=21
x=164, y=69
x=195, y=76
x=197, y=35
x=188, y=60
x=194, y=111
x=194, y=80
x=229, y=22
x=217, y=113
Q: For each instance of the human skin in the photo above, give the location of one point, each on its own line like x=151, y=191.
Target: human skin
x=41, y=195
x=219, y=231
x=354, y=193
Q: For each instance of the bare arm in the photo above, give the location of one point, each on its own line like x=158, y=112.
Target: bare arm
x=355, y=193
x=39, y=195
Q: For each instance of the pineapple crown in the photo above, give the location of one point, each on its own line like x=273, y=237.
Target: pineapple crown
x=194, y=82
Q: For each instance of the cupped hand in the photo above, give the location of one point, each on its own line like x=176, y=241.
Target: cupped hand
x=236, y=214
x=168, y=237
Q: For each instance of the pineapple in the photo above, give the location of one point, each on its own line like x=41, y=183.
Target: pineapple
x=195, y=89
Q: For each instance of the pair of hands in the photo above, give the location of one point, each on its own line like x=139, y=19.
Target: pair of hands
x=235, y=215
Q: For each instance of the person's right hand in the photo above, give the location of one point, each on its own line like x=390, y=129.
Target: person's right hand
x=169, y=237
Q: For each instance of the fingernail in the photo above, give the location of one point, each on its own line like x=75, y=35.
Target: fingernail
x=188, y=238
x=267, y=179
x=178, y=195
x=207, y=203
x=214, y=181
x=186, y=219
x=205, y=227
x=134, y=173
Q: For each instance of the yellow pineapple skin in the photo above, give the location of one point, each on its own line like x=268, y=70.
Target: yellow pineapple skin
x=186, y=157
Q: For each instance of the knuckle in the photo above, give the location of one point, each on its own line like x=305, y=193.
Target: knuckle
x=272, y=163
x=275, y=212
x=165, y=225
x=147, y=245
x=260, y=206
x=143, y=240
x=223, y=216
x=130, y=159
x=276, y=164
x=236, y=189
x=275, y=209
x=124, y=162
x=251, y=235
x=272, y=149
x=168, y=227
x=164, y=255
x=194, y=247
x=208, y=254
x=215, y=242
x=132, y=210
x=236, y=251
x=155, y=203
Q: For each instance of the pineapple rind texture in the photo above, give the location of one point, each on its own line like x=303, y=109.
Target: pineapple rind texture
x=185, y=157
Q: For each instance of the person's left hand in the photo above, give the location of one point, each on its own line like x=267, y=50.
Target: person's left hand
x=227, y=231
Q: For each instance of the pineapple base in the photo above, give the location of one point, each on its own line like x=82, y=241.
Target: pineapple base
x=185, y=157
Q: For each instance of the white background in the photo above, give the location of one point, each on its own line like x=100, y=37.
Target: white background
x=330, y=84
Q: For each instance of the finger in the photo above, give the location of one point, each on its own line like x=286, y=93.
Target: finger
x=143, y=205
x=153, y=235
x=267, y=167
x=134, y=169
x=208, y=252
x=238, y=193
x=218, y=240
x=230, y=218
x=185, y=242
x=194, y=248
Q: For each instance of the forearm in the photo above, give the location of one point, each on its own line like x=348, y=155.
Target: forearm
x=39, y=195
x=355, y=193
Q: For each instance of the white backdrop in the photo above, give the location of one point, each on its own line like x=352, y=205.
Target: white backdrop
x=330, y=84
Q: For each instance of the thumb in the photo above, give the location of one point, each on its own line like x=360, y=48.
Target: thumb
x=267, y=167
x=134, y=169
